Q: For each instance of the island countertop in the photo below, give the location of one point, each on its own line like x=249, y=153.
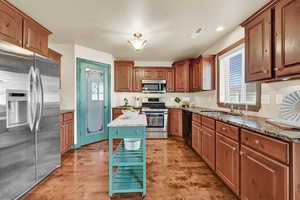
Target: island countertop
x=122, y=121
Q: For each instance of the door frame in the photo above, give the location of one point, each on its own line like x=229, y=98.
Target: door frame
x=80, y=117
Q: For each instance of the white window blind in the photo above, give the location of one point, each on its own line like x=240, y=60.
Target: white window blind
x=232, y=86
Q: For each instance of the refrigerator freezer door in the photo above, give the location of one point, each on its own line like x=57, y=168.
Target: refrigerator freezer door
x=48, y=124
x=17, y=142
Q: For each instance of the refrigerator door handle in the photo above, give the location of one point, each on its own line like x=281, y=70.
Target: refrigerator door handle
x=40, y=97
x=31, y=102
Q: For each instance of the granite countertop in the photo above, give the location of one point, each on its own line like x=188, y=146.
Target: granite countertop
x=66, y=111
x=257, y=124
x=122, y=120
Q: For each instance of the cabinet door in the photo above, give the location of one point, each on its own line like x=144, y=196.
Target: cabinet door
x=227, y=161
x=258, y=42
x=149, y=74
x=287, y=19
x=137, y=79
x=70, y=134
x=182, y=80
x=160, y=74
x=123, y=76
x=195, y=135
x=10, y=25
x=208, y=146
x=195, y=75
x=207, y=73
x=35, y=38
x=262, y=177
x=170, y=80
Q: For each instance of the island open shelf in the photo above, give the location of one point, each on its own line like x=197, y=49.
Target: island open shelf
x=127, y=169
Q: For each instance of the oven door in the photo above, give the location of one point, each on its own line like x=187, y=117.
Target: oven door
x=156, y=121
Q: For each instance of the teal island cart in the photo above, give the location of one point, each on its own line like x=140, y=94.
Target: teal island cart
x=127, y=169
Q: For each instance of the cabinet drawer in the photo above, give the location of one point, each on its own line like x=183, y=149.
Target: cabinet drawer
x=68, y=117
x=127, y=132
x=228, y=130
x=272, y=147
x=196, y=117
x=208, y=122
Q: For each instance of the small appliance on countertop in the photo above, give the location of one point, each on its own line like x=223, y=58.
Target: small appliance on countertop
x=157, y=117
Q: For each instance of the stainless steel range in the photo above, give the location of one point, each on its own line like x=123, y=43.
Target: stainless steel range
x=157, y=117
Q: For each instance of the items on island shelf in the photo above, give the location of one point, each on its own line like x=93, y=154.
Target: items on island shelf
x=132, y=144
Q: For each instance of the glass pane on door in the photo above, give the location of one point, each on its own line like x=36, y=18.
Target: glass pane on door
x=95, y=101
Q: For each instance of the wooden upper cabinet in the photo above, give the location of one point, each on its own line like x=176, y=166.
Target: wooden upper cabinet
x=123, y=76
x=10, y=25
x=54, y=56
x=149, y=74
x=170, y=79
x=35, y=37
x=154, y=73
x=287, y=27
x=258, y=46
x=137, y=79
x=262, y=177
x=207, y=72
x=182, y=73
x=195, y=72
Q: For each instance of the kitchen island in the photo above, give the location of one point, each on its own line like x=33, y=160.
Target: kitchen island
x=127, y=169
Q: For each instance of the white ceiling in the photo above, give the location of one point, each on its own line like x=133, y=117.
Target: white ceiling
x=106, y=25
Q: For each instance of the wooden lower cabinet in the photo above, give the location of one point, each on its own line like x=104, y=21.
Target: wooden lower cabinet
x=227, y=162
x=262, y=178
x=116, y=112
x=175, y=122
x=197, y=137
x=208, y=146
x=66, y=132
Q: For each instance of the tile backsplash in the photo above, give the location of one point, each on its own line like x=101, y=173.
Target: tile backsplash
x=168, y=97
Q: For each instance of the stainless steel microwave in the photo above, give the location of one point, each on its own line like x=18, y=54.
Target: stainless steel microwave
x=154, y=86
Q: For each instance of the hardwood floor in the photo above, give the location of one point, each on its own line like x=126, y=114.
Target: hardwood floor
x=174, y=172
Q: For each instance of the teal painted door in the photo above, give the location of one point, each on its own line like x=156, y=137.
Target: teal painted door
x=93, y=101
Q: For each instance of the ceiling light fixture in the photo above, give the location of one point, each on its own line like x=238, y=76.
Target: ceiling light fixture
x=137, y=42
x=219, y=28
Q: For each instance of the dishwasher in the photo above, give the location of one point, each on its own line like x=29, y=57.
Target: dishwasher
x=187, y=127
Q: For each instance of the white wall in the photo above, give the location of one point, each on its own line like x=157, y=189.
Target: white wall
x=67, y=73
x=272, y=93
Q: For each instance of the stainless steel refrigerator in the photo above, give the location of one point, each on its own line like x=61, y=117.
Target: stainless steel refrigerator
x=29, y=120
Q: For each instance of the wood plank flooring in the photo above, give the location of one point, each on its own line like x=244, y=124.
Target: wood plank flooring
x=174, y=172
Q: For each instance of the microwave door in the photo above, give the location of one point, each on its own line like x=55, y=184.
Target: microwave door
x=17, y=140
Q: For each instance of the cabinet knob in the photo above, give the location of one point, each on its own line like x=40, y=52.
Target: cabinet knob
x=224, y=129
x=242, y=153
x=20, y=41
x=257, y=142
x=266, y=50
x=7, y=25
x=265, y=71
